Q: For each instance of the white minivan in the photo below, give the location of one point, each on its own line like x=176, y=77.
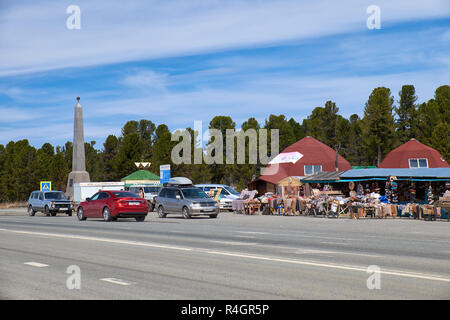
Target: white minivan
x=227, y=195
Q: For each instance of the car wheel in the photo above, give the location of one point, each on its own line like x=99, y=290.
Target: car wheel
x=47, y=211
x=80, y=214
x=161, y=212
x=107, y=214
x=213, y=216
x=185, y=213
x=31, y=211
x=140, y=219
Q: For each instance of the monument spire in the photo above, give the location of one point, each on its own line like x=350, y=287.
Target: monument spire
x=79, y=173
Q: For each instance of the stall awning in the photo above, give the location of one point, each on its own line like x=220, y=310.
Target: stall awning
x=419, y=173
x=293, y=181
x=323, y=177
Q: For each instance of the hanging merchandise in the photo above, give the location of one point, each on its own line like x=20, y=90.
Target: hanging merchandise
x=388, y=192
x=394, y=191
x=430, y=195
x=375, y=187
x=359, y=189
x=351, y=185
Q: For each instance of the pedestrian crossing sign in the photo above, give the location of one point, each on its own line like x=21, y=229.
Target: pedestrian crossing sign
x=46, y=186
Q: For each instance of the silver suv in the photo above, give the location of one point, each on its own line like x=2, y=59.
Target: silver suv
x=187, y=200
x=49, y=202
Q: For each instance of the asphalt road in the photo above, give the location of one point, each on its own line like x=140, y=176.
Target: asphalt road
x=231, y=257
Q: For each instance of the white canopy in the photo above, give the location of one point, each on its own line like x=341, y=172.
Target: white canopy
x=286, y=157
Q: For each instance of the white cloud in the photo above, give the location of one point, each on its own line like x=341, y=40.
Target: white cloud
x=148, y=79
x=14, y=114
x=34, y=36
x=56, y=133
x=446, y=36
x=294, y=96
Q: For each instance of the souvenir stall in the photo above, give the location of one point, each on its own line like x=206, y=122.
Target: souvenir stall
x=246, y=203
x=403, y=192
x=361, y=193
x=442, y=205
x=289, y=194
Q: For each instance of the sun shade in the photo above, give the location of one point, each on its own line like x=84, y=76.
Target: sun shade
x=286, y=157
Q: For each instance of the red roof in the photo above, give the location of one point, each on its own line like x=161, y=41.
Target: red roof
x=314, y=153
x=413, y=149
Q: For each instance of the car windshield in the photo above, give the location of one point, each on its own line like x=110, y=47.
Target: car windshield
x=124, y=194
x=55, y=196
x=231, y=190
x=194, y=193
x=152, y=189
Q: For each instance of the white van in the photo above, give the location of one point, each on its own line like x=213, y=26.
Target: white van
x=227, y=194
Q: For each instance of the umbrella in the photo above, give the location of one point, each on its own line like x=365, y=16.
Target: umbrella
x=290, y=182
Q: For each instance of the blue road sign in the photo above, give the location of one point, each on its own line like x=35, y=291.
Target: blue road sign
x=46, y=186
x=164, y=173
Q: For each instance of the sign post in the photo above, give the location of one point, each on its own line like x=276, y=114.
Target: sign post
x=164, y=173
x=46, y=186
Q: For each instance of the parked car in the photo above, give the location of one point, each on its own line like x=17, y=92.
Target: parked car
x=111, y=205
x=150, y=193
x=49, y=202
x=179, y=196
x=227, y=194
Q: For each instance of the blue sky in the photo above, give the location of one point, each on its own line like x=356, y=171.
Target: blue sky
x=175, y=61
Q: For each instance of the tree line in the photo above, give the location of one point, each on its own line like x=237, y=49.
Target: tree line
x=385, y=124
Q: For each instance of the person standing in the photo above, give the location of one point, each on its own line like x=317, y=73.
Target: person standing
x=412, y=193
x=430, y=195
x=360, y=190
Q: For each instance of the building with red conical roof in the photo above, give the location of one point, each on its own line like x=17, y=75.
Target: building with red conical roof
x=306, y=157
x=414, y=154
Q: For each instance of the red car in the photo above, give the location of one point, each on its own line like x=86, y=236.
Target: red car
x=111, y=205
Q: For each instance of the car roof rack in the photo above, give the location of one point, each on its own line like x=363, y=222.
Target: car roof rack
x=179, y=182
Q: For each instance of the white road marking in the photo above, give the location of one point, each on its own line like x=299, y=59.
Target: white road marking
x=334, y=243
x=240, y=255
x=234, y=243
x=296, y=250
x=329, y=238
x=333, y=266
x=36, y=264
x=246, y=237
x=326, y=252
x=67, y=236
x=253, y=232
x=117, y=281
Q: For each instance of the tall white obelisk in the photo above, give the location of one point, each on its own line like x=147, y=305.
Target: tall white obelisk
x=79, y=173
